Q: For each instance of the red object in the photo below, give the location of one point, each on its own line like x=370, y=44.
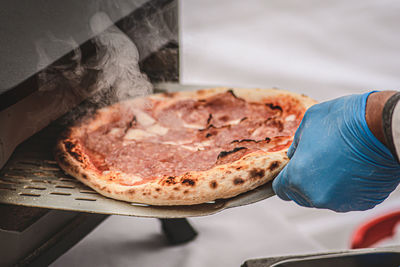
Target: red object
x=375, y=230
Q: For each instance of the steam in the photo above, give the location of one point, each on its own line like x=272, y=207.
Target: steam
x=117, y=60
x=160, y=27
x=110, y=76
x=61, y=85
x=71, y=71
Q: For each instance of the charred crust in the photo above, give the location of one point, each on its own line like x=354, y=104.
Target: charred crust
x=62, y=159
x=84, y=176
x=212, y=126
x=158, y=189
x=273, y=165
x=230, y=91
x=170, y=180
x=244, y=140
x=274, y=107
x=188, y=182
x=131, y=123
x=267, y=139
x=226, y=153
x=208, y=127
x=176, y=188
x=131, y=191
x=239, y=168
x=238, y=181
x=209, y=118
x=208, y=135
x=71, y=147
x=213, y=184
x=256, y=173
x=186, y=191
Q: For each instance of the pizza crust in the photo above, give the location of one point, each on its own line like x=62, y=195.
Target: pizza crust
x=221, y=181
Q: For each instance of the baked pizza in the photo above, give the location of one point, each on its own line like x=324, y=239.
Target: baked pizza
x=184, y=148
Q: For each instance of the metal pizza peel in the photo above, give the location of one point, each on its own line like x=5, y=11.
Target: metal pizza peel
x=32, y=178
x=34, y=184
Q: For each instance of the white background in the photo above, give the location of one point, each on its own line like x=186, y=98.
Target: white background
x=323, y=49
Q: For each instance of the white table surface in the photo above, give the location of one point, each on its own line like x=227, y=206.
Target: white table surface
x=324, y=49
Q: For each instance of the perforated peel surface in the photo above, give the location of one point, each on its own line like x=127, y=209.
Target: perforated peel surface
x=32, y=178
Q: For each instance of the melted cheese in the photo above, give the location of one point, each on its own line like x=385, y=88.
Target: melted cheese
x=137, y=134
x=193, y=126
x=197, y=146
x=143, y=118
x=176, y=143
x=290, y=118
x=191, y=148
x=115, y=131
x=257, y=132
x=234, y=122
x=158, y=129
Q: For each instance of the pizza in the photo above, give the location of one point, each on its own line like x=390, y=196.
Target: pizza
x=183, y=148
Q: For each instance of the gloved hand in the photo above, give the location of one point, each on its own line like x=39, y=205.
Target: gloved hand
x=336, y=162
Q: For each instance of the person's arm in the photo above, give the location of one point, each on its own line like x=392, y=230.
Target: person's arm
x=374, y=113
x=340, y=158
x=391, y=124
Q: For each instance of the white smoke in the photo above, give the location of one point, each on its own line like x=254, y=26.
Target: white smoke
x=111, y=75
x=117, y=60
x=70, y=72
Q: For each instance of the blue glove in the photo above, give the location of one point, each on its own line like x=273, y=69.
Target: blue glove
x=336, y=162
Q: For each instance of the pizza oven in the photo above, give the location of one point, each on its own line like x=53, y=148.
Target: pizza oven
x=52, y=55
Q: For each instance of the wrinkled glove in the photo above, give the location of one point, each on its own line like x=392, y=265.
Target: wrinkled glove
x=336, y=162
